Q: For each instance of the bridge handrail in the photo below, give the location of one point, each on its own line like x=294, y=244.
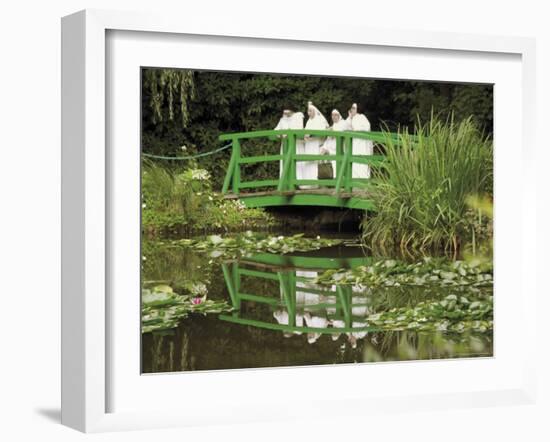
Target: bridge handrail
x=287, y=180
x=373, y=136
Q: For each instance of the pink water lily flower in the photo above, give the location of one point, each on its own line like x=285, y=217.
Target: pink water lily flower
x=196, y=300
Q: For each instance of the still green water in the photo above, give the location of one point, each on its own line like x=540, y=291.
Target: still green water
x=276, y=315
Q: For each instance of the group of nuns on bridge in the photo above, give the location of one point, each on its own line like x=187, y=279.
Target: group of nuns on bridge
x=307, y=170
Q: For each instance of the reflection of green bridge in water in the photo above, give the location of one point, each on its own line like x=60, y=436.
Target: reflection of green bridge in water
x=343, y=190
x=336, y=303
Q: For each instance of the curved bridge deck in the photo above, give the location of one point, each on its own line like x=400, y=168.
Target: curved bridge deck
x=342, y=190
x=303, y=197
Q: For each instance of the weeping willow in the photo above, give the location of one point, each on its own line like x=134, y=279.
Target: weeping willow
x=171, y=86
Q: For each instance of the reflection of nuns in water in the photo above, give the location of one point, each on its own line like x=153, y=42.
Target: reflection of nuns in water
x=307, y=299
x=358, y=309
x=318, y=318
x=281, y=315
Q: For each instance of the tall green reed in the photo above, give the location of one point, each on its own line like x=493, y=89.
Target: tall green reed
x=421, y=192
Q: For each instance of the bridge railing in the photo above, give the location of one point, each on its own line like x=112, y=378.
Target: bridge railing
x=287, y=180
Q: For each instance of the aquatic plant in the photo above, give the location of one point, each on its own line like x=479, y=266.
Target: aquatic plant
x=430, y=295
x=249, y=243
x=162, y=308
x=455, y=313
x=421, y=191
x=429, y=272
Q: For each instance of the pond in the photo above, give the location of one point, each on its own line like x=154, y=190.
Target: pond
x=256, y=300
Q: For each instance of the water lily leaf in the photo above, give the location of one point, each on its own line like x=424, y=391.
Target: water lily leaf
x=163, y=288
x=158, y=298
x=448, y=275
x=215, y=239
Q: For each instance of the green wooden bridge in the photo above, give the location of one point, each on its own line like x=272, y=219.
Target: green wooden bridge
x=341, y=191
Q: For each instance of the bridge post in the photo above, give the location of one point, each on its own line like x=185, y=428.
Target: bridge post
x=292, y=170
x=285, y=177
x=343, y=172
x=237, y=171
x=230, y=170
x=349, y=164
x=339, y=155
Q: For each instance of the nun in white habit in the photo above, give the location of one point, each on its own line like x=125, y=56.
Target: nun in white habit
x=291, y=120
x=359, y=122
x=313, y=144
x=338, y=125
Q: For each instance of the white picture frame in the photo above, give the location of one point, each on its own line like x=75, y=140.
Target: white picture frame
x=87, y=208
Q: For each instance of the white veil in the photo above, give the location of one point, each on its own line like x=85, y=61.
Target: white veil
x=359, y=121
x=322, y=122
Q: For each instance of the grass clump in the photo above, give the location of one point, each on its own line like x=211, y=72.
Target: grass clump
x=422, y=191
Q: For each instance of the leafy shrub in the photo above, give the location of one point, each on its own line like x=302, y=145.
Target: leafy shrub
x=184, y=199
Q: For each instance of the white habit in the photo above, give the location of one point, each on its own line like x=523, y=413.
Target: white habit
x=360, y=123
x=294, y=121
x=330, y=143
x=312, y=146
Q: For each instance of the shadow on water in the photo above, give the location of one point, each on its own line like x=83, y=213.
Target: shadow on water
x=281, y=317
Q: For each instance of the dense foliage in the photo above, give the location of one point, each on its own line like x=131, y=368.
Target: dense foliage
x=191, y=108
x=175, y=201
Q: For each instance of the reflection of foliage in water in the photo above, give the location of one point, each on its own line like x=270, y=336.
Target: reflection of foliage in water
x=174, y=267
x=206, y=343
x=410, y=345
